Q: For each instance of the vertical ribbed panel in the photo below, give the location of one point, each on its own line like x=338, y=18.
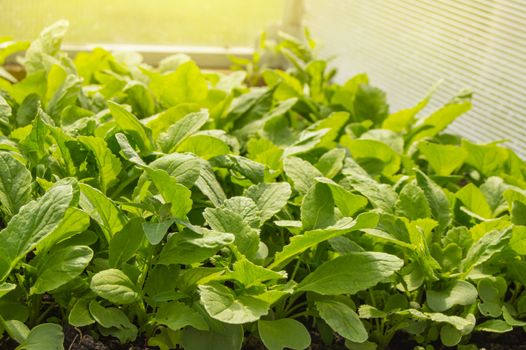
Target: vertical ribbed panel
x=408, y=45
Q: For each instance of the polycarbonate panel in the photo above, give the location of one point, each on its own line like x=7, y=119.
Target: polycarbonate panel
x=408, y=45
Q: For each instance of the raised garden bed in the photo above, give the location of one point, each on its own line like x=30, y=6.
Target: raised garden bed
x=171, y=207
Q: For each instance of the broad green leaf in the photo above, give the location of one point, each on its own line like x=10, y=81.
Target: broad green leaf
x=66, y=95
x=162, y=121
x=307, y=140
x=343, y=320
x=204, y=146
x=44, y=336
x=132, y=126
x=373, y=155
x=75, y=221
x=186, y=84
x=46, y=47
x=299, y=244
x=494, y=326
x=126, y=242
x=80, y=316
x=60, y=267
x=15, y=184
x=173, y=192
x=401, y=120
x=109, y=165
x=181, y=130
x=209, y=186
x=370, y=104
x=189, y=247
x=253, y=171
x=5, y=288
x=269, y=198
x=412, y=202
x=483, y=249
x=317, y=208
x=336, y=277
x=186, y=168
x=438, y=202
x=246, y=208
x=518, y=240
x=473, y=198
x=115, y=286
x=177, y=315
x=444, y=159
x=284, y=333
x=32, y=224
x=250, y=274
x=109, y=317
x=101, y=209
x=439, y=120
x=348, y=203
x=224, y=337
x=155, y=231
x=458, y=293
x=225, y=220
x=331, y=163
x=489, y=159
x=301, y=172
x=380, y=195
x=449, y=335
x=224, y=305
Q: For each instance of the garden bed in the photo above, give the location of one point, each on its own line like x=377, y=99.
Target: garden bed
x=172, y=207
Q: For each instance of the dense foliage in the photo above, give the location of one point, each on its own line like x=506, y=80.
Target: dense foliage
x=196, y=208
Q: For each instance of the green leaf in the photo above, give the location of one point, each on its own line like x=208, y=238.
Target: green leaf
x=115, y=286
x=436, y=198
x=518, y=240
x=225, y=305
x=343, y=320
x=126, y=242
x=494, y=326
x=458, y=293
x=174, y=193
x=269, y=198
x=348, y=203
x=101, y=209
x=109, y=317
x=15, y=184
x=186, y=168
x=301, y=172
x=363, y=151
x=381, y=196
x=483, y=249
x=204, y=146
x=108, y=164
x=80, y=316
x=224, y=337
x=335, y=277
x=60, y=267
x=250, y=274
x=155, y=231
x=131, y=126
x=225, y=220
x=176, y=315
x=412, y=202
x=370, y=104
x=46, y=47
x=44, y=336
x=449, y=335
x=162, y=121
x=444, y=159
x=181, y=130
x=489, y=159
x=473, y=198
x=186, y=84
x=439, y=120
x=5, y=288
x=298, y=244
x=317, y=208
x=284, y=333
x=33, y=223
x=331, y=163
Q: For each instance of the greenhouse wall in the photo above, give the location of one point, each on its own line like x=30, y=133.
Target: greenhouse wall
x=406, y=46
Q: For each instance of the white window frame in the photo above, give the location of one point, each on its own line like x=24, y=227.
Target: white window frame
x=211, y=57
